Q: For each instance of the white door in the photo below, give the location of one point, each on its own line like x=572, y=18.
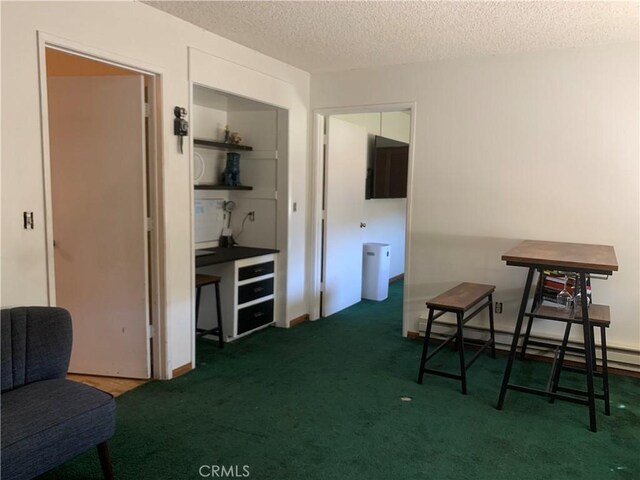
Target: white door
x=345, y=178
x=98, y=187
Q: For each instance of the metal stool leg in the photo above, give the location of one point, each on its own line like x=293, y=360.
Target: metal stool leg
x=593, y=348
x=605, y=371
x=588, y=341
x=492, y=331
x=197, y=304
x=219, y=313
x=425, y=346
x=463, y=368
x=555, y=375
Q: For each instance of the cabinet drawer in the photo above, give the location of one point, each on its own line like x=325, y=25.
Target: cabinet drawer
x=254, y=290
x=255, y=316
x=255, y=270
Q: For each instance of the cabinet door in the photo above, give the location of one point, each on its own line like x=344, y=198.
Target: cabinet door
x=255, y=316
x=255, y=270
x=255, y=290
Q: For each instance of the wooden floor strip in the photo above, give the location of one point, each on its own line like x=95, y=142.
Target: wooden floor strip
x=114, y=385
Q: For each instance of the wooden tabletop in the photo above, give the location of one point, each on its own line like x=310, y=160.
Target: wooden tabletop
x=561, y=255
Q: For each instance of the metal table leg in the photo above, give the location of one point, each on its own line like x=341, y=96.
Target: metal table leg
x=516, y=335
x=588, y=352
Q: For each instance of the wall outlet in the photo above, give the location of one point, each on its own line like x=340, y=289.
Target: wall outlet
x=498, y=307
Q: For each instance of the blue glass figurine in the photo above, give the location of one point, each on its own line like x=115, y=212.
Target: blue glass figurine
x=231, y=174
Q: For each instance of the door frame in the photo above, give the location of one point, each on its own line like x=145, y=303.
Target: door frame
x=317, y=194
x=155, y=192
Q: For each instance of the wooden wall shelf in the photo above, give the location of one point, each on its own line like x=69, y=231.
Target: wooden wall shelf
x=201, y=142
x=222, y=187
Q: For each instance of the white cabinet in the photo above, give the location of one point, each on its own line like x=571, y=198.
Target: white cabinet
x=248, y=292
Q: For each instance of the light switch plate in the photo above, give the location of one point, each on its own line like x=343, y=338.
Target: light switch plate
x=27, y=218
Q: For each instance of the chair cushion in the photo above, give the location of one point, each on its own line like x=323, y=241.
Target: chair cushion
x=47, y=423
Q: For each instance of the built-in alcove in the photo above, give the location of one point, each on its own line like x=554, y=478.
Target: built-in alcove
x=262, y=128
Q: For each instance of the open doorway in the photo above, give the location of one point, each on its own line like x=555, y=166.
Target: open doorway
x=363, y=185
x=101, y=204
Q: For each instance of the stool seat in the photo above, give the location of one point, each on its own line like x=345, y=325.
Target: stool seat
x=458, y=300
x=461, y=297
x=599, y=315
x=202, y=280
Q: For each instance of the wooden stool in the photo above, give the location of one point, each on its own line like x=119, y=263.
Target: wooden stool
x=458, y=300
x=599, y=316
x=201, y=281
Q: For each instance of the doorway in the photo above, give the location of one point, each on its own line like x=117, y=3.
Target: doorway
x=350, y=209
x=101, y=204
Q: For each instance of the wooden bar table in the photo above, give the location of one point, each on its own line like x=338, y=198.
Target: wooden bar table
x=577, y=258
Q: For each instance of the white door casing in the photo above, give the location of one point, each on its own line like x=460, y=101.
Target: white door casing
x=345, y=178
x=99, y=207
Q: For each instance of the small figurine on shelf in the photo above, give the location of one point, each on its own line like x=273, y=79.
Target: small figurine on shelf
x=235, y=138
x=226, y=134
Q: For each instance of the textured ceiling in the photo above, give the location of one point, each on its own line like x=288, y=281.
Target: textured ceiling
x=321, y=36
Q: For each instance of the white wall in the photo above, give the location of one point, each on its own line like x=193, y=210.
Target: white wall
x=385, y=217
x=143, y=36
x=541, y=145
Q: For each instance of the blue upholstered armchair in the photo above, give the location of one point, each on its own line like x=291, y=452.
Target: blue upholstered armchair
x=46, y=419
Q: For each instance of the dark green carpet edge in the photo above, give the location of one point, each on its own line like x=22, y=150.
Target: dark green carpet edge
x=323, y=401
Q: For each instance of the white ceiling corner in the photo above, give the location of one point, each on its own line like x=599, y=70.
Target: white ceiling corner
x=319, y=36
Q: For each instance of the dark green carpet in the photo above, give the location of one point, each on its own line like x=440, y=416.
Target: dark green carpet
x=322, y=401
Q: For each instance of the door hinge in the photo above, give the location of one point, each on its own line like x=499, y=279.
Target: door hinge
x=148, y=222
x=147, y=109
x=324, y=138
x=150, y=331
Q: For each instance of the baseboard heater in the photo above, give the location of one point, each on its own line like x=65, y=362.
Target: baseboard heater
x=618, y=357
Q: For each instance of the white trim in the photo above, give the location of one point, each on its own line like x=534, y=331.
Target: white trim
x=156, y=245
x=316, y=215
x=192, y=195
x=158, y=305
x=225, y=76
x=91, y=53
x=319, y=115
x=46, y=167
x=406, y=310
